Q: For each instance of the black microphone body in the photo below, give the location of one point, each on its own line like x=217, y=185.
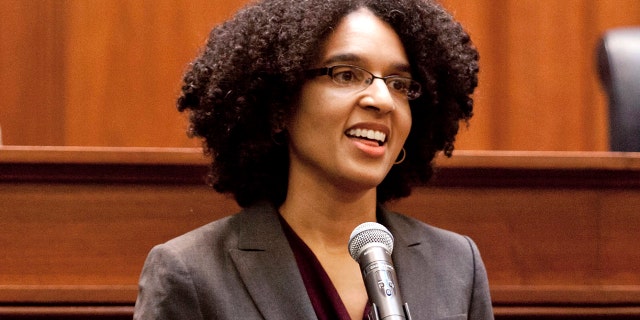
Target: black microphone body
x=371, y=245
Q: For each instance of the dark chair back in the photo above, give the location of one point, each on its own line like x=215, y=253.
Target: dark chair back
x=619, y=68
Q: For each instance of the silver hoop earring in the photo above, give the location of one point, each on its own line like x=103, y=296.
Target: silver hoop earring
x=404, y=155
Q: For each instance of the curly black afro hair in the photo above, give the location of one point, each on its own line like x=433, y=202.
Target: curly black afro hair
x=246, y=80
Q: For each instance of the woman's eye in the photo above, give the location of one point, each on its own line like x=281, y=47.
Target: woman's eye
x=344, y=76
x=397, y=84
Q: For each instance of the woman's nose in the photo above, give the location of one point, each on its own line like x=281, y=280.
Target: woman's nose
x=377, y=96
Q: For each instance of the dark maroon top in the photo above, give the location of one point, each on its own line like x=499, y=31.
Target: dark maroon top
x=324, y=296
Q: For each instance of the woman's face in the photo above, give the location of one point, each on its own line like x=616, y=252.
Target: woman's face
x=328, y=129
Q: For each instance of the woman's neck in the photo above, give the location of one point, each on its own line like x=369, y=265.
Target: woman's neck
x=324, y=216
x=327, y=218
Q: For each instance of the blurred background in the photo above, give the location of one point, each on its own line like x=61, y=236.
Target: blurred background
x=107, y=72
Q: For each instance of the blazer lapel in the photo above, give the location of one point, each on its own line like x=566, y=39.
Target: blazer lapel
x=412, y=268
x=267, y=267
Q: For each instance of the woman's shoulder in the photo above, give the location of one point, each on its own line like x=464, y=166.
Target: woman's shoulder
x=222, y=233
x=411, y=231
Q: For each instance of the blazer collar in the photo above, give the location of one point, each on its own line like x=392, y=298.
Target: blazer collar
x=267, y=266
x=411, y=249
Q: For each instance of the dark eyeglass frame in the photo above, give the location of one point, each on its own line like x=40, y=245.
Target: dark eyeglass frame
x=413, y=88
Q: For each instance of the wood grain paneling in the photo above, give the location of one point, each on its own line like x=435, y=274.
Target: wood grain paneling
x=106, y=73
x=125, y=63
x=538, y=85
x=99, y=73
x=31, y=73
x=557, y=230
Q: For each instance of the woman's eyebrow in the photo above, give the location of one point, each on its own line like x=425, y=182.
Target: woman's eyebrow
x=404, y=67
x=354, y=58
x=342, y=57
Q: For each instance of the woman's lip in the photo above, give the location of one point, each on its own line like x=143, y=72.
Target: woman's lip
x=369, y=147
x=369, y=135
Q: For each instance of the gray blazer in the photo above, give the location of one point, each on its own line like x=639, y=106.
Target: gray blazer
x=241, y=267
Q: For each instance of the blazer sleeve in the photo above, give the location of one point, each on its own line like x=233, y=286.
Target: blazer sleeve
x=480, y=308
x=166, y=290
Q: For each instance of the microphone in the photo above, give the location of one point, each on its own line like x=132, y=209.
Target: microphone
x=371, y=244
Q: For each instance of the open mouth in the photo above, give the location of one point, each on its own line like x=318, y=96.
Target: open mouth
x=367, y=134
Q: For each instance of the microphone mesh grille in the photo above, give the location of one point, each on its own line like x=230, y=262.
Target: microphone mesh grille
x=369, y=232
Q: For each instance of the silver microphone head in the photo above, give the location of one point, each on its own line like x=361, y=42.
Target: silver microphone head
x=366, y=234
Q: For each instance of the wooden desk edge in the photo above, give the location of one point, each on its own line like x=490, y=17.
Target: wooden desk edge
x=191, y=156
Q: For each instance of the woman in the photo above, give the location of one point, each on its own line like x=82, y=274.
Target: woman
x=315, y=114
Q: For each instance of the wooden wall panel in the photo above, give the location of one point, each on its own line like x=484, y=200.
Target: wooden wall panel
x=557, y=231
x=31, y=106
x=106, y=73
x=538, y=84
x=99, y=73
x=125, y=63
x=102, y=243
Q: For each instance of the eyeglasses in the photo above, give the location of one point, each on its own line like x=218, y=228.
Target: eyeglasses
x=357, y=78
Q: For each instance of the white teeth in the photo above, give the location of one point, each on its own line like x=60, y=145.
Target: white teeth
x=368, y=134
